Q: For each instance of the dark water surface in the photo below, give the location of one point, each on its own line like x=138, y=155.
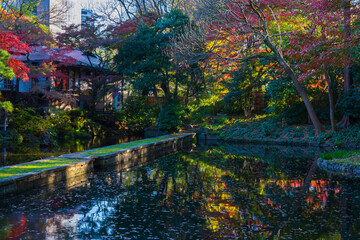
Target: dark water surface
x=219, y=192
x=15, y=154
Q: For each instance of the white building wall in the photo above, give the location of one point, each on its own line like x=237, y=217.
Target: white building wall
x=73, y=16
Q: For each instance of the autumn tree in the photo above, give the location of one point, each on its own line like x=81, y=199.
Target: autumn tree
x=17, y=21
x=53, y=14
x=256, y=25
x=318, y=44
x=348, y=11
x=10, y=66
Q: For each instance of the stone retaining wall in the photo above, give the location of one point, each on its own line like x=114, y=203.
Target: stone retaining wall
x=141, y=154
x=342, y=168
x=118, y=160
x=47, y=177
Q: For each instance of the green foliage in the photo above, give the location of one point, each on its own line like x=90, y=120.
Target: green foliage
x=221, y=119
x=73, y=123
x=171, y=117
x=243, y=84
x=5, y=71
x=350, y=102
x=7, y=106
x=13, y=136
x=27, y=121
x=137, y=114
x=197, y=114
x=295, y=113
x=142, y=57
x=202, y=109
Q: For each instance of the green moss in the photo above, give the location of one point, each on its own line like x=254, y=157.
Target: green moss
x=119, y=147
x=32, y=167
x=340, y=154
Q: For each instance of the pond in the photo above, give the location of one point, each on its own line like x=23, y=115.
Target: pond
x=20, y=153
x=213, y=192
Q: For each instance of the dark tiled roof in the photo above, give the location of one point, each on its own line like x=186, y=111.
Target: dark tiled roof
x=40, y=54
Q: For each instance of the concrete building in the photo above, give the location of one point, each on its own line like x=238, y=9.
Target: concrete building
x=58, y=13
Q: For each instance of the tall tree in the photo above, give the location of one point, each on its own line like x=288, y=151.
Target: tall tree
x=318, y=43
x=142, y=57
x=259, y=25
x=346, y=4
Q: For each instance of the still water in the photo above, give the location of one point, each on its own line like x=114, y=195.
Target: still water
x=15, y=154
x=217, y=192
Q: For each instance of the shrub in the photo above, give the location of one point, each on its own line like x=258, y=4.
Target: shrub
x=137, y=114
x=171, y=117
x=295, y=113
x=28, y=121
x=72, y=123
x=350, y=102
x=221, y=119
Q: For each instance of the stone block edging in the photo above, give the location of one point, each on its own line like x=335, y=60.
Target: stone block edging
x=123, y=158
x=44, y=177
x=339, y=168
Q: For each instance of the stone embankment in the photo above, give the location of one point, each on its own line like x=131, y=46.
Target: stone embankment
x=334, y=166
x=47, y=172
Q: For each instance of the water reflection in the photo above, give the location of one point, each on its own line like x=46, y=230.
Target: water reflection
x=219, y=193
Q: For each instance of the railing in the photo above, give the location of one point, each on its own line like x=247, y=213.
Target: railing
x=7, y=85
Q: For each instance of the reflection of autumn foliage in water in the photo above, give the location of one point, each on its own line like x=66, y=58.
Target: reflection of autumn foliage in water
x=18, y=229
x=210, y=194
x=223, y=214
x=318, y=192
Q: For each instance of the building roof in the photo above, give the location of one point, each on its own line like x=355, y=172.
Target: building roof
x=41, y=53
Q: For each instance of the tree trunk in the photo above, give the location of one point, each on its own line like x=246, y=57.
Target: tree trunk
x=187, y=94
x=315, y=120
x=345, y=121
x=122, y=93
x=331, y=101
x=5, y=121
x=165, y=89
x=157, y=98
x=176, y=89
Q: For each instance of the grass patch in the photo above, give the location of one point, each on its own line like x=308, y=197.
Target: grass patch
x=352, y=160
x=340, y=154
x=32, y=167
x=119, y=147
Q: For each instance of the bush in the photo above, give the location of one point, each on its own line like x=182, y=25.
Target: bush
x=28, y=121
x=295, y=113
x=349, y=103
x=137, y=114
x=73, y=123
x=171, y=117
x=198, y=111
x=221, y=119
